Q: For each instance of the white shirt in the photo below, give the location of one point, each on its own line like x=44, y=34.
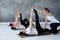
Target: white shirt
x=33, y=32
x=52, y=19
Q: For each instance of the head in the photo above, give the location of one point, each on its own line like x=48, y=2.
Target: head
x=46, y=10
x=11, y=24
x=21, y=33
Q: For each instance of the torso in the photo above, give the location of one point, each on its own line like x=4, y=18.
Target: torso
x=33, y=32
x=52, y=19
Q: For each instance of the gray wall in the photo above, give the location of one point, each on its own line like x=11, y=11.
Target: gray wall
x=8, y=8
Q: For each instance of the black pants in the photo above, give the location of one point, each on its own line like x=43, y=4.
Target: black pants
x=24, y=22
x=38, y=27
x=53, y=27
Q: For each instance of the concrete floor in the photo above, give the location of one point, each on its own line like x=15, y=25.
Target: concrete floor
x=7, y=34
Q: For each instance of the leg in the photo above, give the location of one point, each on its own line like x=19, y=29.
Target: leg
x=26, y=22
x=47, y=30
x=38, y=27
x=53, y=27
x=23, y=21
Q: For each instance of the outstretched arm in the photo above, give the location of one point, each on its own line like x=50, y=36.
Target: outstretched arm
x=45, y=22
x=30, y=26
x=39, y=10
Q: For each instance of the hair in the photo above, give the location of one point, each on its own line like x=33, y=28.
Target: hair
x=25, y=19
x=46, y=9
x=11, y=24
x=21, y=33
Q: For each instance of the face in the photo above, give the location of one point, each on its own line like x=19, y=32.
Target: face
x=45, y=11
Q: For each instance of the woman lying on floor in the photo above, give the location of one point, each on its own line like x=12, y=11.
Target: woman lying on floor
x=16, y=24
x=54, y=22
x=34, y=31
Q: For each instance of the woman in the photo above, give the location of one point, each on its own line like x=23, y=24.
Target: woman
x=30, y=30
x=24, y=22
x=15, y=24
x=54, y=22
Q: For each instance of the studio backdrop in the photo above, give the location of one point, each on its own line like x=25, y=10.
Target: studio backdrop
x=9, y=8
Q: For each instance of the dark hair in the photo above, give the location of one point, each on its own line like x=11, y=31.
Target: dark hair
x=11, y=24
x=21, y=33
x=47, y=9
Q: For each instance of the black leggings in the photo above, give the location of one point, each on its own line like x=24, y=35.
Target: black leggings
x=53, y=27
x=24, y=22
x=38, y=27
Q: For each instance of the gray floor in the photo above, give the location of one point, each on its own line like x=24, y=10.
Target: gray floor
x=7, y=34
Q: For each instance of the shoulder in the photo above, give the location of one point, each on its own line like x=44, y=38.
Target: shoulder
x=50, y=14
